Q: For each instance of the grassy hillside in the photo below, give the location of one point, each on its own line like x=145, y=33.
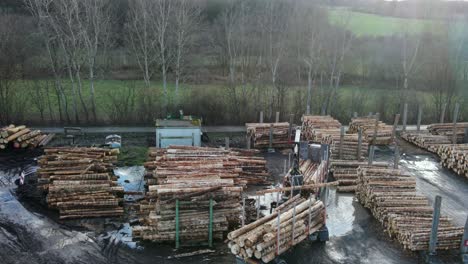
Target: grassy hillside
x=363, y=24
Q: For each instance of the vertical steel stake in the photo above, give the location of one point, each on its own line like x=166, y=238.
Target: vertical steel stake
x=277, y=117
x=243, y=211
x=177, y=224
x=210, y=230
x=342, y=134
x=261, y=117
x=359, y=150
x=258, y=207
x=455, y=117
x=226, y=139
x=397, y=157
x=418, y=125
x=278, y=225
x=395, y=126
x=405, y=116
x=435, y=226
x=442, y=115
x=376, y=128
x=371, y=155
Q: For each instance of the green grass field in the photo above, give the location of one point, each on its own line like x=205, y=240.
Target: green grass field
x=214, y=102
x=363, y=24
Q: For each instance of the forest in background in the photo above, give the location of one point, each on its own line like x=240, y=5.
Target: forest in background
x=125, y=62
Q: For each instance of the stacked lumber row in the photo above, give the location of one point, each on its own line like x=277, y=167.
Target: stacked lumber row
x=406, y=216
x=314, y=127
x=259, y=133
x=193, y=197
x=368, y=125
x=80, y=183
x=349, y=148
x=22, y=137
x=454, y=157
x=243, y=166
x=346, y=173
x=193, y=175
x=426, y=140
x=258, y=241
x=446, y=129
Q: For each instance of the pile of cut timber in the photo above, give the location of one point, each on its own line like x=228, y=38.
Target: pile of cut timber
x=313, y=127
x=425, y=140
x=368, y=127
x=454, y=157
x=22, y=137
x=406, y=216
x=259, y=240
x=259, y=133
x=446, y=129
x=243, y=166
x=346, y=173
x=193, y=175
x=349, y=147
x=80, y=182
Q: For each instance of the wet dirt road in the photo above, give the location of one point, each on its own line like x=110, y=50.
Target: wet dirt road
x=355, y=236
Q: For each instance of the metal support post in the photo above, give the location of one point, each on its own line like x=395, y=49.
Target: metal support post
x=177, y=239
x=405, y=116
x=359, y=148
x=278, y=227
x=210, y=228
x=355, y=115
x=293, y=223
x=258, y=207
x=226, y=142
x=395, y=126
x=455, y=117
x=261, y=117
x=270, y=145
x=289, y=160
x=442, y=115
x=342, y=134
x=277, y=117
x=371, y=155
x=465, y=137
x=435, y=226
x=249, y=141
x=284, y=167
x=464, y=245
x=396, y=160
x=418, y=125
x=243, y=211
x=376, y=128
x=291, y=120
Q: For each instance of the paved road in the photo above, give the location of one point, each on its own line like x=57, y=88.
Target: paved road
x=138, y=129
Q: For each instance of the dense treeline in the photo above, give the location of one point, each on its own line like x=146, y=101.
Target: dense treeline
x=223, y=60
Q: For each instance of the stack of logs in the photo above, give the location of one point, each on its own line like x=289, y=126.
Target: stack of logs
x=349, y=148
x=346, y=173
x=368, y=125
x=425, y=140
x=258, y=241
x=80, y=182
x=454, y=157
x=259, y=134
x=315, y=127
x=391, y=196
x=446, y=129
x=21, y=137
x=193, y=175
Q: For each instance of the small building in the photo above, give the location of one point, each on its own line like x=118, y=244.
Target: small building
x=178, y=133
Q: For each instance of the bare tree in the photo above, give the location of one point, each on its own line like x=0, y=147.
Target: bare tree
x=95, y=24
x=40, y=9
x=310, y=25
x=340, y=40
x=274, y=22
x=161, y=14
x=141, y=37
x=187, y=21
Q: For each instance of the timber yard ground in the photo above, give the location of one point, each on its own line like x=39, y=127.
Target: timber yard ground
x=31, y=234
